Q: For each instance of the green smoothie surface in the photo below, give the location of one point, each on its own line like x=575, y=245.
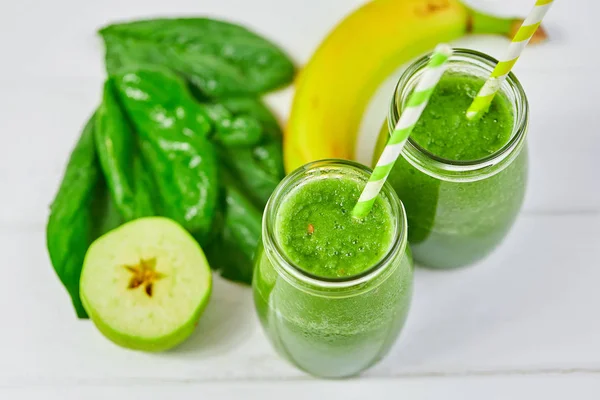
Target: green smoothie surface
x=316, y=230
x=444, y=129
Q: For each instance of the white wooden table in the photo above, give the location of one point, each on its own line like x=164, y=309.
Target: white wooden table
x=524, y=324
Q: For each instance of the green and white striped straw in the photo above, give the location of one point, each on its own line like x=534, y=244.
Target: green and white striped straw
x=415, y=105
x=492, y=85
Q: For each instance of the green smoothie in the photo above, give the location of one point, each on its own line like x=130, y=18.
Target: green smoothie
x=445, y=131
x=318, y=233
x=462, y=182
x=340, y=300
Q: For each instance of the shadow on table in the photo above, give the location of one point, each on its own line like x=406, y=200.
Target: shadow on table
x=227, y=321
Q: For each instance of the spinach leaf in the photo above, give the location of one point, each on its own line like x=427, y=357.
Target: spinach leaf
x=256, y=182
x=259, y=167
x=249, y=174
x=116, y=144
x=253, y=107
x=173, y=132
x=219, y=58
x=80, y=212
x=232, y=251
x=231, y=131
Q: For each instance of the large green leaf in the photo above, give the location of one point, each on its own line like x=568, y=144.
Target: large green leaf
x=173, y=131
x=219, y=58
x=81, y=212
x=131, y=188
x=232, y=250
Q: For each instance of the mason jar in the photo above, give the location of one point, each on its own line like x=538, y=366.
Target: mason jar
x=332, y=327
x=459, y=211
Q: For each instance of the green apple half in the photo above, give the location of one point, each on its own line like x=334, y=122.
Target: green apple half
x=145, y=284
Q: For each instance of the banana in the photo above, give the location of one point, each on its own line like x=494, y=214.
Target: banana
x=334, y=88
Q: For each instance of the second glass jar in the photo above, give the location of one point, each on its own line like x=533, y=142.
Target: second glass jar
x=459, y=211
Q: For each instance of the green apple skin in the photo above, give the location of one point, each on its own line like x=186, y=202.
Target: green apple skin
x=177, y=334
x=144, y=344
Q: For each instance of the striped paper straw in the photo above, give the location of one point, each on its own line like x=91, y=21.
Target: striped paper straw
x=517, y=45
x=415, y=105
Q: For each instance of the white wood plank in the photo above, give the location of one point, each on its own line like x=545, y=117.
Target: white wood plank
x=548, y=387
x=66, y=45
x=531, y=306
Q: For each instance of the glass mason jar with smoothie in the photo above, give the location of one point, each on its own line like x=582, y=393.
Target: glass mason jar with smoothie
x=462, y=181
x=332, y=292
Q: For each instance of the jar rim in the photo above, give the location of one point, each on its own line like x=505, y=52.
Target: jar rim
x=465, y=170
x=292, y=272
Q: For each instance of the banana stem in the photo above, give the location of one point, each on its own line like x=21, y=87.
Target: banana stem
x=481, y=23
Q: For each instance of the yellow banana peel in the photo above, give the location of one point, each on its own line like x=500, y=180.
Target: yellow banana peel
x=334, y=88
